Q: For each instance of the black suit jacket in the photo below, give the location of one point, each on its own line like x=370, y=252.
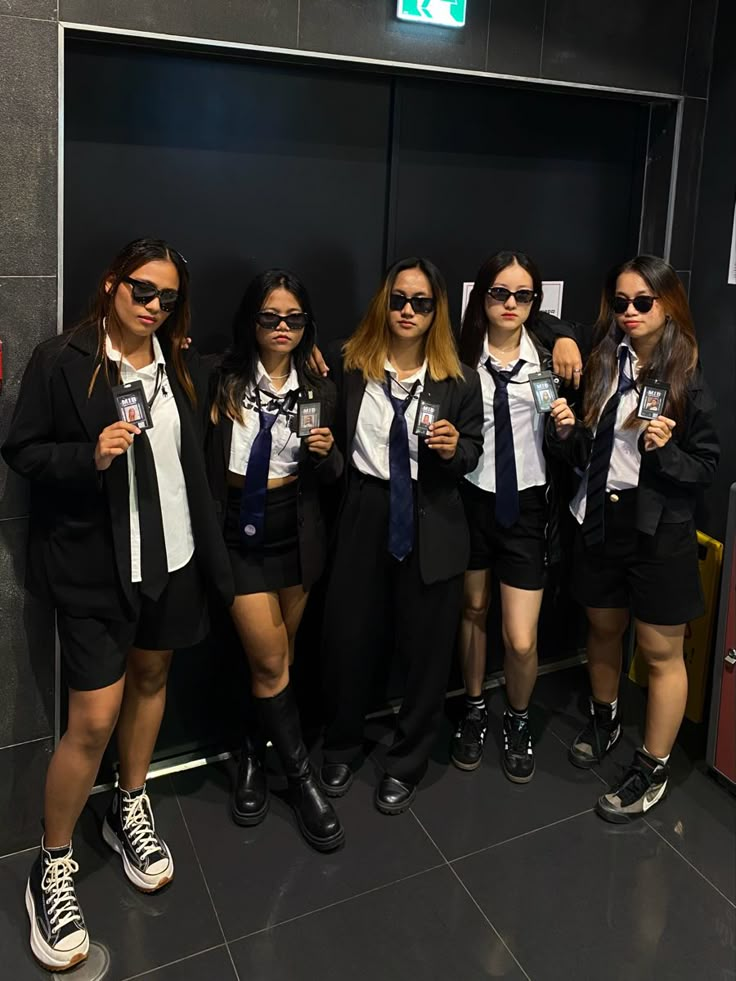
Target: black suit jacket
x=442, y=535
x=80, y=520
x=314, y=474
x=670, y=477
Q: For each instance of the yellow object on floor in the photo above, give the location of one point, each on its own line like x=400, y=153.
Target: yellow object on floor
x=698, y=633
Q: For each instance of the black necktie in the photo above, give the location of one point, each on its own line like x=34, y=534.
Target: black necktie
x=507, y=487
x=600, y=457
x=255, y=485
x=401, y=500
x=154, y=565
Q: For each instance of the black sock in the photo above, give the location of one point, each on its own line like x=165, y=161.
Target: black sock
x=475, y=702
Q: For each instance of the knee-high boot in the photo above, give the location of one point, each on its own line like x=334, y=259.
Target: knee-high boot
x=249, y=802
x=317, y=819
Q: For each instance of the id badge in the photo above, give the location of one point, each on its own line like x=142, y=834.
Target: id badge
x=309, y=415
x=544, y=390
x=132, y=404
x=652, y=399
x=427, y=415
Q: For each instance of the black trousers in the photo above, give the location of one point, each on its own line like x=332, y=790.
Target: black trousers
x=376, y=606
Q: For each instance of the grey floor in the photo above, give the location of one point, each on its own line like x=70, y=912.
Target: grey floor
x=481, y=879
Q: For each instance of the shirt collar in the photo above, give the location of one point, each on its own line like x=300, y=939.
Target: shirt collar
x=113, y=355
x=418, y=375
x=264, y=382
x=625, y=342
x=527, y=351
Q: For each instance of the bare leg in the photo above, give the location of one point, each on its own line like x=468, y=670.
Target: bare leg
x=141, y=713
x=520, y=618
x=662, y=650
x=293, y=601
x=605, y=632
x=260, y=625
x=473, y=637
x=74, y=765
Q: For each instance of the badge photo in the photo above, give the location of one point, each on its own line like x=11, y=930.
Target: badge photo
x=427, y=414
x=544, y=390
x=309, y=415
x=132, y=404
x=652, y=399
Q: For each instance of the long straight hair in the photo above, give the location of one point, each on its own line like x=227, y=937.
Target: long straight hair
x=368, y=348
x=475, y=321
x=238, y=370
x=673, y=360
x=176, y=327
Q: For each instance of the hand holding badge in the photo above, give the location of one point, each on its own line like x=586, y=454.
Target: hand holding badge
x=309, y=415
x=427, y=414
x=544, y=389
x=652, y=399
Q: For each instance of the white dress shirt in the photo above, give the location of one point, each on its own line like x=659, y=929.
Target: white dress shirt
x=370, y=444
x=285, y=444
x=623, y=470
x=165, y=440
x=527, y=425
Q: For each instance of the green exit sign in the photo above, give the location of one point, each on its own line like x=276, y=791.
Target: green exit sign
x=440, y=13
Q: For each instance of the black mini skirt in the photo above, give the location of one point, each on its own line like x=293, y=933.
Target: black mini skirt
x=275, y=563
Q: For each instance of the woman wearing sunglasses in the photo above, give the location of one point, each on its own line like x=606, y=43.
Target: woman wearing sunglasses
x=402, y=540
x=123, y=536
x=508, y=499
x=270, y=450
x=636, y=548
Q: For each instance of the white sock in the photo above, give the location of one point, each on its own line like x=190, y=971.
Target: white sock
x=662, y=759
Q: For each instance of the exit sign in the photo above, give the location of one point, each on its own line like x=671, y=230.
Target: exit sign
x=440, y=13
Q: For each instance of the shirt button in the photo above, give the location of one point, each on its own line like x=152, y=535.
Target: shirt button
x=614, y=498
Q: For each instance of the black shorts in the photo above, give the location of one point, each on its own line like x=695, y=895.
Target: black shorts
x=95, y=651
x=275, y=564
x=516, y=554
x=656, y=576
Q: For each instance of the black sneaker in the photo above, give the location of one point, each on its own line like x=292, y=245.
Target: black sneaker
x=130, y=830
x=466, y=751
x=518, y=755
x=59, y=938
x=642, y=786
x=597, y=739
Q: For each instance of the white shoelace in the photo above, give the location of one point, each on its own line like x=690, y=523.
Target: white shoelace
x=138, y=824
x=58, y=886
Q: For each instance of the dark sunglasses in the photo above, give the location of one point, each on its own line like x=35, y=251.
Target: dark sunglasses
x=145, y=292
x=270, y=321
x=501, y=294
x=419, y=304
x=642, y=304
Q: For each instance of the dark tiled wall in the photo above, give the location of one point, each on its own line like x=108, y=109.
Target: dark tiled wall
x=628, y=44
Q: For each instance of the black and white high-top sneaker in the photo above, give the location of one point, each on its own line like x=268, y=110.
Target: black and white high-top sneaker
x=598, y=738
x=130, y=830
x=518, y=754
x=466, y=751
x=59, y=938
x=642, y=786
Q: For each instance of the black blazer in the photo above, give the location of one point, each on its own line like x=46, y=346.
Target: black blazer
x=314, y=473
x=442, y=535
x=79, y=545
x=670, y=477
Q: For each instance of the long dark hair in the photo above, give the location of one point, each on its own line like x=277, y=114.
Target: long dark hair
x=368, y=347
x=675, y=357
x=475, y=321
x=177, y=325
x=238, y=369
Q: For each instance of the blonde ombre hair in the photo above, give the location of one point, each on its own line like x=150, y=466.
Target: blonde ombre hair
x=369, y=346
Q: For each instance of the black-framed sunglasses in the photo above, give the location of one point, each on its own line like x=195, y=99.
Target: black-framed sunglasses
x=642, y=304
x=145, y=292
x=419, y=304
x=270, y=321
x=501, y=295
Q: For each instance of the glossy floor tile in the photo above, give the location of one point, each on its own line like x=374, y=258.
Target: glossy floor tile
x=426, y=927
x=585, y=899
x=536, y=885
x=265, y=875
